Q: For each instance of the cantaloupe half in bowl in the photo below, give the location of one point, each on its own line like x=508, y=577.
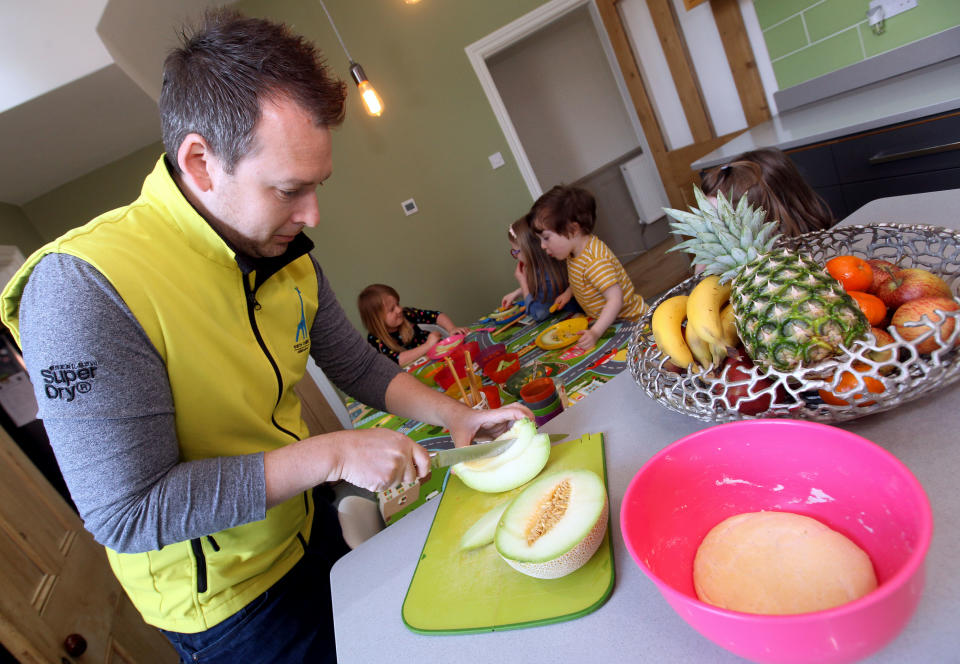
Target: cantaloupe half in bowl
x=555, y=525
x=516, y=465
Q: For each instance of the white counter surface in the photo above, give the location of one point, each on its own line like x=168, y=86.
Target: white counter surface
x=636, y=624
x=928, y=91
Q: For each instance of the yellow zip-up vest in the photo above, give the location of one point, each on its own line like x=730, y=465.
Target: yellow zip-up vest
x=232, y=365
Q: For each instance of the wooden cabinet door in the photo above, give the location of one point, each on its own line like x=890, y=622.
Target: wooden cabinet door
x=56, y=581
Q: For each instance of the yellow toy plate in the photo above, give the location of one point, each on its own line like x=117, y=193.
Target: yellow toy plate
x=562, y=334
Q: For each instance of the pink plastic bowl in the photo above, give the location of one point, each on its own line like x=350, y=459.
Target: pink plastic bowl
x=839, y=478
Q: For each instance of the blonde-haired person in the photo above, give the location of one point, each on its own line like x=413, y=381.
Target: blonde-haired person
x=542, y=278
x=395, y=330
x=771, y=181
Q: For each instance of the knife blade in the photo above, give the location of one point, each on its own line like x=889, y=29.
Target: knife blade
x=444, y=458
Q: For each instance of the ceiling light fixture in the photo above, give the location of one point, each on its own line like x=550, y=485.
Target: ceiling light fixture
x=371, y=100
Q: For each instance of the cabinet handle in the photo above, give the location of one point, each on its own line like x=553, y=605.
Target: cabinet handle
x=881, y=158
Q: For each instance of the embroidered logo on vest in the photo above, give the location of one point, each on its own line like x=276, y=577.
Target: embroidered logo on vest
x=68, y=381
x=298, y=345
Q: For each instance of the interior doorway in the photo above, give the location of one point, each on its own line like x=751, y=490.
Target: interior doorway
x=554, y=84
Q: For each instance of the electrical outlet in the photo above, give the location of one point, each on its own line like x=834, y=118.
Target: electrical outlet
x=496, y=160
x=409, y=207
x=890, y=8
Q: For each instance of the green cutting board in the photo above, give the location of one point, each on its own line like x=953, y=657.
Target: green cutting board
x=464, y=592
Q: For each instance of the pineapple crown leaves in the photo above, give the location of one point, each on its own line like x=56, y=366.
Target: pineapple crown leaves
x=723, y=238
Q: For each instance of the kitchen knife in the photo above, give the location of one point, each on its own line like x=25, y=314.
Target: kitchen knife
x=444, y=458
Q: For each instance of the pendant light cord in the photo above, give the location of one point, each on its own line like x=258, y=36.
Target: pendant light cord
x=335, y=31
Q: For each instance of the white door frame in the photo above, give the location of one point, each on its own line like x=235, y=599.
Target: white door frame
x=480, y=50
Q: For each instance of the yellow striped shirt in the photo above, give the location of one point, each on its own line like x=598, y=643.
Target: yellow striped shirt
x=595, y=270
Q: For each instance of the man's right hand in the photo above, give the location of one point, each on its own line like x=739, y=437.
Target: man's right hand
x=377, y=459
x=373, y=459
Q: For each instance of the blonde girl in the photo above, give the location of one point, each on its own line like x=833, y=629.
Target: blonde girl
x=394, y=330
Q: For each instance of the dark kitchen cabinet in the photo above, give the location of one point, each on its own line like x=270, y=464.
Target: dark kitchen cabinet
x=906, y=158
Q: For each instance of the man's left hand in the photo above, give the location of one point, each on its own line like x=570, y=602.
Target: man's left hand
x=469, y=424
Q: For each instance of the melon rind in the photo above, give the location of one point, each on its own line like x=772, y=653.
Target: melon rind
x=571, y=543
x=482, y=531
x=517, y=465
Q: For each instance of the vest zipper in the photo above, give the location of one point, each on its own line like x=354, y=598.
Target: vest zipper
x=252, y=306
x=201, y=559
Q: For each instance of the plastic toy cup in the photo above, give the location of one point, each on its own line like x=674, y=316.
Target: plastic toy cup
x=542, y=398
x=445, y=379
x=493, y=395
x=497, y=373
x=485, y=355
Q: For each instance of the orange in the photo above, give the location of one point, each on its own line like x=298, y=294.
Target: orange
x=853, y=273
x=871, y=306
x=848, y=381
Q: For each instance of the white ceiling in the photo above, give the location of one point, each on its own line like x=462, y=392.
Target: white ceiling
x=73, y=75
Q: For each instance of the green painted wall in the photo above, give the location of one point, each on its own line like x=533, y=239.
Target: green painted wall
x=16, y=229
x=431, y=144
x=78, y=201
x=809, y=38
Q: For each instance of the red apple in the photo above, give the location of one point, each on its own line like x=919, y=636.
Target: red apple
x=737, y=369
x=914, y=310
x=912, y=283
x=883, y=272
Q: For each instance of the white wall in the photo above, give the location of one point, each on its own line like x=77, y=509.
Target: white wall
x=563, y=100
x=709, y=62
x=45, y=44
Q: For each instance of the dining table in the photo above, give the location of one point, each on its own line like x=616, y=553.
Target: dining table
x=635, y=623
x=575, y=372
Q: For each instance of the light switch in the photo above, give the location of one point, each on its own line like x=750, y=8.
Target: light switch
x=496, y=160
x=409, y=207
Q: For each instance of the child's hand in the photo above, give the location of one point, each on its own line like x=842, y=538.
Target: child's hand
x=518, y=272
x=509, y=298
x=588, y=339
x=432, y=339
x=562, y=300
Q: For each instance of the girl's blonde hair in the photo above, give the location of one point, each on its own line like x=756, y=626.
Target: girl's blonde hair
x=539, y=265
x=770, y=180
x=371, y=303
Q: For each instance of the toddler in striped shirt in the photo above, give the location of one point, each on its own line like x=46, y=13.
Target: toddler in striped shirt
x=564, y=219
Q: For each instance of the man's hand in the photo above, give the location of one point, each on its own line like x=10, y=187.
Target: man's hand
x=377, y=459
x=466, y=424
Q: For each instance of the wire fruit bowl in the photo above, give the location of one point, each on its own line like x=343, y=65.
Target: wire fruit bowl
x=883, y=377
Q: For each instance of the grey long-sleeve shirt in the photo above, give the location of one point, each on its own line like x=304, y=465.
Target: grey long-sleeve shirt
x=117, y=447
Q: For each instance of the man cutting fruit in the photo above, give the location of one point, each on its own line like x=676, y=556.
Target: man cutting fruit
x=190, y=315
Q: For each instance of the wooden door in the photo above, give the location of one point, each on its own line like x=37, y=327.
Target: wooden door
x=55, y=580
x=674, y=165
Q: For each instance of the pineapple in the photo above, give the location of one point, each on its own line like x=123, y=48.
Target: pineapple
x=789, y=311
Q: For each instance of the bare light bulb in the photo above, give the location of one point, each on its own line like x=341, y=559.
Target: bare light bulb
x=371, y=100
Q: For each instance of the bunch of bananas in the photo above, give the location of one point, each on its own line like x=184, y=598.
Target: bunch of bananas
x=710, y=328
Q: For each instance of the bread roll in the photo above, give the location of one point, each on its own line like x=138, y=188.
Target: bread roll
x=779, y=563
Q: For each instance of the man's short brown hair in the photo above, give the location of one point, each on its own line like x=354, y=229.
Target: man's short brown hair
x=215, y=83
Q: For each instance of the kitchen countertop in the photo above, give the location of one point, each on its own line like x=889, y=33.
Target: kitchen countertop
x=636, y=624
x=928, y=91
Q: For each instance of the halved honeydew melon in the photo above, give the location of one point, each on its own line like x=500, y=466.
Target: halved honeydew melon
x=516, y=465
x=481, y=532
x=555, y=525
